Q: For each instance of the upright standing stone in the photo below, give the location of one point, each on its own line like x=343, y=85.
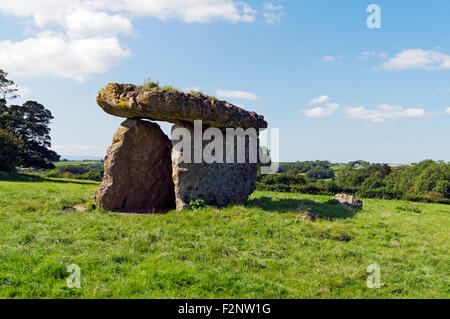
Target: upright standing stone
x=138, y=171
x=218, y=183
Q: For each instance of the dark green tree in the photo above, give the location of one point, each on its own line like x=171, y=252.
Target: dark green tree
x=9, y=151
x=443, y=187
x=29, y=123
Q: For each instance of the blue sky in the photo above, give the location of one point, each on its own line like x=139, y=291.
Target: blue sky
x=336, y=89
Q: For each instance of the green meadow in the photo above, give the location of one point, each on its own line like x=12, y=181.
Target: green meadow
x=76, y=163
x=277, y=245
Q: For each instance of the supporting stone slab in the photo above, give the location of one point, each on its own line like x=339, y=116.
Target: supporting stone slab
x=219, y=184
x=138, y=170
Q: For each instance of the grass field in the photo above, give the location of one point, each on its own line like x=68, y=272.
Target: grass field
x=76, y=163
x=263, y=249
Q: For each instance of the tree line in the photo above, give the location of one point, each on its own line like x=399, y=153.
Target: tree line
x=313, y=169
x=24, y=131
x=427, y=181
x=88, y=171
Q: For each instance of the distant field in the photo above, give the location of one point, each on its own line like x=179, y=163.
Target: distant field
x=76, y=163
x=263, y=249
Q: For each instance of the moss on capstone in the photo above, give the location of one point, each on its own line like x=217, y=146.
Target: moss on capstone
x=121, y=103
x=111, y=90
x=148, y=85
x=116, y=139
x=170, y=89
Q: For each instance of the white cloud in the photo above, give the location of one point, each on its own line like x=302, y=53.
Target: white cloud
x=186, y=11
x=383, y=112
x=364, y=55
x=42, y=12
x=327, y=110
x=55, y=11
x=320, y=99
x=447, y=110
x=76, y=38
x=418, y=59
x=76, y=18
x=272, y=13
x=371, y=54
x=83, y=22
x=236, y=94
x=56, y=55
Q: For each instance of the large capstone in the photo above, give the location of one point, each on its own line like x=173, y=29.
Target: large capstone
x=138, y=170
x=218, y=184
x=129, y=101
